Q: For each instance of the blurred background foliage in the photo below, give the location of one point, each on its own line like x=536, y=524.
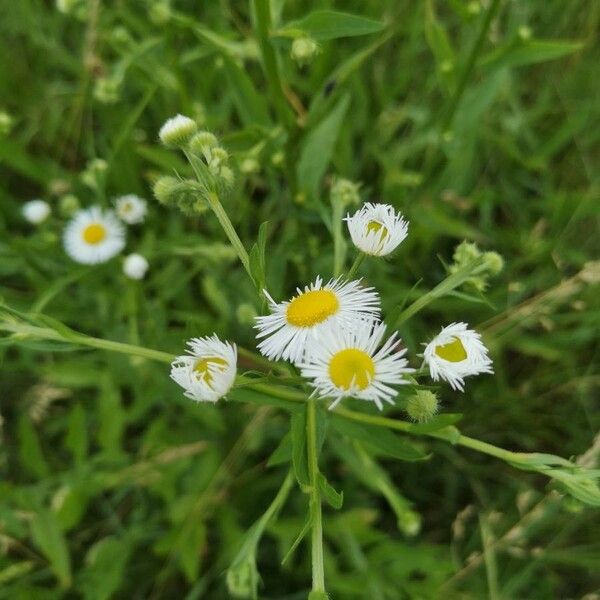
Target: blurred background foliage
x=478, y=120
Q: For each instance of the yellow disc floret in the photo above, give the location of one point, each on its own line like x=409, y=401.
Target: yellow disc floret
x=453, y=351
x=377, y=227
x=94, y=233
x=312, y=308
x=202, y=367
x=351, y=368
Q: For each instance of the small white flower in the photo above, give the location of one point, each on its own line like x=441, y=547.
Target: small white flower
x=292, y=324
x=135, y=266
x=208, y=371
x=377, y=229
x=131, y=209
x=177, y=131
x=347, y=362
x=36, y=211
x=93, y=236
x=455, y=353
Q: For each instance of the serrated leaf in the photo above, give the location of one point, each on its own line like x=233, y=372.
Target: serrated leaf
x=382, y=439
x=329, y=25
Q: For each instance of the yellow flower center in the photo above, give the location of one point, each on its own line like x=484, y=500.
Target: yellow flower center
x=202, y=367
x=312, y=307
x=351, y=367
x=453, y=351
x=94, y=233
x=377, y=227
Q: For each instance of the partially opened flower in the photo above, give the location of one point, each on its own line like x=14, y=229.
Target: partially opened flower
x=177, y=131
x=350, y=362
x=94, y=236
x=294, y=323
x=131, y=209
x=455, y=353
x=208, y=371
x=36, y=211
x=377, y=229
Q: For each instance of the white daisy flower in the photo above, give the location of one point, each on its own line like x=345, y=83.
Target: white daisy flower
x=347, y=362
x=292, y=324
x=94, y=236
x=131, y=209
x=177, y=131
x=35, y=211
x=455, y=353
x=208, y=371
x=377, y=229
x=135, y=266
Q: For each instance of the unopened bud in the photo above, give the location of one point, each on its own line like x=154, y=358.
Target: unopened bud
x=345, y=192
x=304, y=49
x=68, y=205
x=249, y=165
x=493, y=262
x=177, y=131
x=422, y=406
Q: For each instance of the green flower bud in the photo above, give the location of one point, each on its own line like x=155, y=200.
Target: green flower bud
x=203, y=142
x=345, y=192
x=106, y=90
x=422, y=406
x=242, y=578
x=177, y=131
x=6, y=123
x=304, y=49
x=185, y=194
x=249, y=165
x=493, y=262
x=160, y=12
x=68, y=205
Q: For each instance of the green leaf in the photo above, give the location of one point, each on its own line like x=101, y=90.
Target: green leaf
x=105, y=568
x=48, y=537
x=16, y=571
x=318, y=148
x=257, y=257
x=329, y=25
x=76, y=439
x=521, y=53
x=249, y=103
x=382, y=439
x=283, y=452
x=334, y=498
x=440, y=45
x=111, y=416
x=299, y=459
x=30, y=449
x=305, y=529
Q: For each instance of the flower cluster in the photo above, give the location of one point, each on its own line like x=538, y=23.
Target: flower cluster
x=333, y=333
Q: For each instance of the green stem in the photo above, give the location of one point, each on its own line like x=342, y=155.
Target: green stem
x=339, y=245
x=318, y=571
x=398, y=316
x=355, y=265
x=466, y=72
x=261, y=11
x=230, y=232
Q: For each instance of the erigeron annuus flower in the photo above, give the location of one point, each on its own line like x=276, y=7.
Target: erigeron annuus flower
x=94, y=236
x=292, y=324
x=208, y=371
x=36, y=211
x=350, y=362
x=177, y=131
x=377, y=229
x=135, y=266
x=455, y=353
x=131, y=209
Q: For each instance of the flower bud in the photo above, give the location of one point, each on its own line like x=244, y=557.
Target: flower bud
x=242, y=578
x=36, y=211
x=106, y=90
x=249, y=165
x=135, y=266
x=493, y=262
x=160, y=12
x=422, y=406
x=6, y=123
x=68, y=205
x=177, y=131
x=185, y=194
x=304, y=49
x=345, y=192
x=203, y=142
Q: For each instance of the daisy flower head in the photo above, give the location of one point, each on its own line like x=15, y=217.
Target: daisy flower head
x=352, y=362
x=94, y=236
x=35, y=211
x=208, y=371
x=455, y=353
x=131, y=209
x=293, y=323
x=135, y=266
x=377, y=229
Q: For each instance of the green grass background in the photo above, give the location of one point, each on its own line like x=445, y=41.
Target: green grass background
x=113, y=484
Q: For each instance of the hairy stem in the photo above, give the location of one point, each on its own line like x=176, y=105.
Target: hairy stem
x=356, y=265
